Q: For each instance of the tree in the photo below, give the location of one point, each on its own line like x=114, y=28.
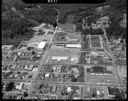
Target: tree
x=118, y=97
x=25, y=94
x=11, y=35
x=10, y=86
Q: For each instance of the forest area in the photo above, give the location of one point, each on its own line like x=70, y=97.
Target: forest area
x=18, y=17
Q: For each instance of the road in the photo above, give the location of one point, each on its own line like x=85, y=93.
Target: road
x=22, y=16
x=41, y=62
x=78, y=83
x=111, y=54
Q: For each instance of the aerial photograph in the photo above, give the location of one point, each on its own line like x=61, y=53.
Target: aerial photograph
x=49, y=52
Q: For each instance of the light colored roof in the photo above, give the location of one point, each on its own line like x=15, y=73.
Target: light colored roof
x=30, y=67
x=98, y=92
x=60, y=57
x=35, y=69
x=69, y=89
x=41, y=45
x=94, y=53
x=73, y=45
x=74, y=58
x=47, y=75
x=19, y=86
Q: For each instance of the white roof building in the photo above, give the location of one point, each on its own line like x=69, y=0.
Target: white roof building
x=47, y=75
x=26, y=67
x=98, y=92
x=59, y=58
x=69, y=89
x=75, y=59
x=41, y=45
x=35, y=69
x=19, y=86
x=73, y=45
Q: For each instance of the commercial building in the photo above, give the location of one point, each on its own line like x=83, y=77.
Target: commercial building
x=41, y=45
x=37, y=45
x=59, y=58
x=73, y=45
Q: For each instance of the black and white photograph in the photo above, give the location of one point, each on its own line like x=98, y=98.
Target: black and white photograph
x=49, y=52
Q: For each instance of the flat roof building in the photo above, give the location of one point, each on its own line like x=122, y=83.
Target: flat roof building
x=73, y=45
x=59, y=58
x=41, y=45
x=19, y=85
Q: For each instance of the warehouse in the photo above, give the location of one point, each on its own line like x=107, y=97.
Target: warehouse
x=41, y=45
x=59, y=58
x=73, y=45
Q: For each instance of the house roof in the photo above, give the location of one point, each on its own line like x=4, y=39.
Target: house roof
x=19, y=86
